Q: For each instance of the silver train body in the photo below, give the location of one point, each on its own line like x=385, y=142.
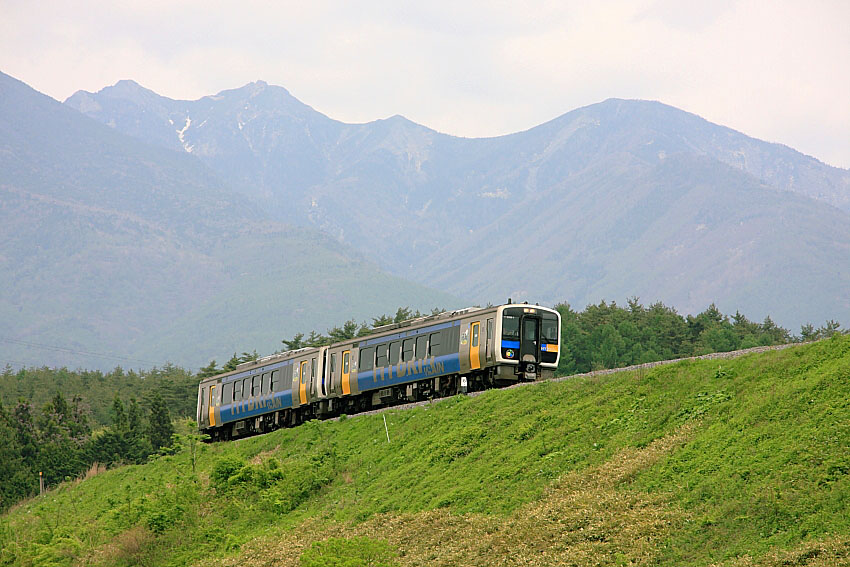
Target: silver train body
x=441, y=355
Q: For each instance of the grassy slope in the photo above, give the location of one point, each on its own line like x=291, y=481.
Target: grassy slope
x=732, y=462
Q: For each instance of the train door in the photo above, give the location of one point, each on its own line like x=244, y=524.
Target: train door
x=475, y=345
x=346, y=372
x=213, y=404
x=333, y=373
x=314, y=375
x=324, y=375
x=488, y=348
x=529, y=349
x=200, y=415
x=303, y=375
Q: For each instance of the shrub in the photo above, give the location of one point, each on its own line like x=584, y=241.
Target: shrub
x=349, y=552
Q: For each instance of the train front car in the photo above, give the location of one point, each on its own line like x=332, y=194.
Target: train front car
x=529, y=337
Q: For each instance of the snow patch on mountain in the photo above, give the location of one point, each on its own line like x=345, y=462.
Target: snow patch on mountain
x=181, y=134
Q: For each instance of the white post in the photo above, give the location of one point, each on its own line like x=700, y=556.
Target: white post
x=386, y=428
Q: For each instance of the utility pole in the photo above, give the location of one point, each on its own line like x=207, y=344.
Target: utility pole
x=40, y=483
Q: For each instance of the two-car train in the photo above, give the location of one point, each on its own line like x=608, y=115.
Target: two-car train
x=430, y=357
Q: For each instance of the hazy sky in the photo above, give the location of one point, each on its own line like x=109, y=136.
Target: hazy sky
x=776, y=70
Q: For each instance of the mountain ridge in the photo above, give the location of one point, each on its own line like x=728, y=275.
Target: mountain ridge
x=617, y=199
x=415, y=201
x=113, y=245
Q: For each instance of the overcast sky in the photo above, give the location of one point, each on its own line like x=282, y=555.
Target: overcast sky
x=776, y=70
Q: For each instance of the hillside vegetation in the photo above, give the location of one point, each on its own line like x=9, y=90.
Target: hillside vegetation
x=706, y=462
x=59, y=422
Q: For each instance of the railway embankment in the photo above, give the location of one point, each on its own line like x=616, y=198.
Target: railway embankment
x=739, y=459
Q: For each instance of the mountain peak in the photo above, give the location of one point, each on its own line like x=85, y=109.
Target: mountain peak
x=127, y=83
x=126, y=89
x=129, y=89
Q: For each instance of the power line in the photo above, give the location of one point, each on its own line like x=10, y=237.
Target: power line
x=74, y=351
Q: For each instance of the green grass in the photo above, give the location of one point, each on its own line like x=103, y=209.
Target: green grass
x=757, y=468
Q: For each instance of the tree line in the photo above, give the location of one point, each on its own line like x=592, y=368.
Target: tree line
x=58, y=441
x=607, y=335
x=177, y=386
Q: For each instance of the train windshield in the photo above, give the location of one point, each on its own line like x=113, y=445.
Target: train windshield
x=549, y=328
x=510, y=327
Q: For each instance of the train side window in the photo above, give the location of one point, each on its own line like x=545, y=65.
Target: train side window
x=333, y=363
x=266, y=387
x=313, y=368
x=395, y=352
x=407, y=349
x=227, y=393
x=246, y=388
x=381, y=355
x=475, y=333
x=275, y=380
x=421, y=346
x=237, y=391
x=255, y=387
x=367, y=359
x=434, y=345
x=345, y=362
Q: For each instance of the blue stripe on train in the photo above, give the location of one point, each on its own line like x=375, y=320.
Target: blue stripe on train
x=256, y=406
x=410, y=371
x=401, y=373
x=510, y=344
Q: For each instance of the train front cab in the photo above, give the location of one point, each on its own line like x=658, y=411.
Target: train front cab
x=529, y=342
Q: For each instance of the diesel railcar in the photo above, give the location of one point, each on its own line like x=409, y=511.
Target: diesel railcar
x=430, y=357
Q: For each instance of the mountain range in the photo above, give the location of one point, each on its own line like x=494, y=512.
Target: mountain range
x=177, y=230
x=119, y=252
x=621, y=198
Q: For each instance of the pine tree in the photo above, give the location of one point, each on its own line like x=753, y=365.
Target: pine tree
x=294, y=343
x=209, y=370
x=134, y=419
x=119, y=418
x=160, y=427
x=232, y=363
x=381, y=321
